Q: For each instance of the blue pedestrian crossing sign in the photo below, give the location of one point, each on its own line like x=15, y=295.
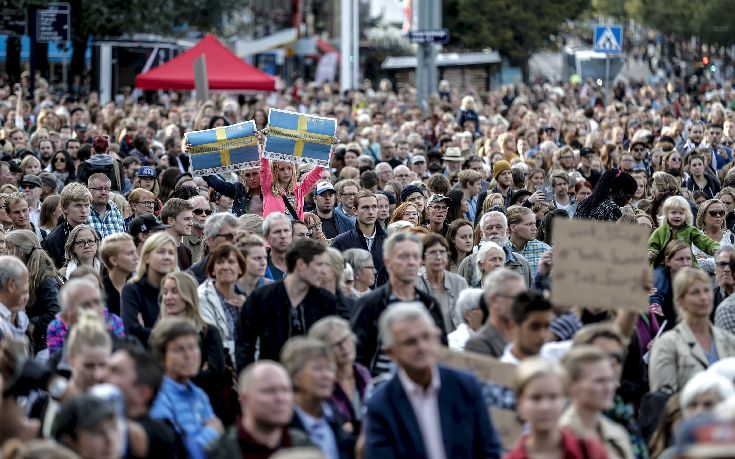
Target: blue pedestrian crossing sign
x=608, y=39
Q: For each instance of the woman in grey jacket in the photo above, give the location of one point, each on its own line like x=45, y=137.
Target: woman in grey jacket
x=694, y=344
x=435, y=280
x=220, y=300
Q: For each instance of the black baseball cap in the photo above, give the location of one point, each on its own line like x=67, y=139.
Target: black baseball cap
x=81, y=412
x=147, y=223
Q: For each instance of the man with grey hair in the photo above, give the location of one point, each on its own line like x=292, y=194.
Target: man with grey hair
x=502, y=286
x=384, y=172
x=402, y=174
x=723, y=275
x=402, y=258
x=469, y=307
x=494, y=228
x=425, y=409
x=13, y=297
x=195, y=241
x=278, y=233
x=218, y=229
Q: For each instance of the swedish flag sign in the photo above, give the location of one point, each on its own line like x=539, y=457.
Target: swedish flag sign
x=299, y=138
x=226, y=148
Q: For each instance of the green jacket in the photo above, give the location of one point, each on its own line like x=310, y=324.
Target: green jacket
x=687, y=233
x=228, y=445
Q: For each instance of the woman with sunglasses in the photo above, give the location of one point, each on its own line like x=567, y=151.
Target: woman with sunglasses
x=711, y=220
x=698, y=179
x=62, y=166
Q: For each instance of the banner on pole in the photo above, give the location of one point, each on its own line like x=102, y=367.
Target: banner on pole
x=299, y=138
x=223, y=149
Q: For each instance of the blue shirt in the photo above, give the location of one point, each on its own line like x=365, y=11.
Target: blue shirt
x=187, y=407
x=471, y=209
x=319, y=431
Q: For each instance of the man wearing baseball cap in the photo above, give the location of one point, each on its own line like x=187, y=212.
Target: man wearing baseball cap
x=333, y=223
x=31, y=185
x=586, y=155
x=142, y=227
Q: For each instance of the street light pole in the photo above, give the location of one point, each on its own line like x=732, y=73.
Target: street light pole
x=346, y=79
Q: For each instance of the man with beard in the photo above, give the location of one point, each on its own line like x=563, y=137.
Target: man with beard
x=333, y=223
x=45, y=151
x=720, y=154
x=504, y=176
x=494, y=228
x=276, y=312
x=696, y=135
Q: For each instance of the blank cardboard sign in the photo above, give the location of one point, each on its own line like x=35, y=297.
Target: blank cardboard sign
x=599, y=265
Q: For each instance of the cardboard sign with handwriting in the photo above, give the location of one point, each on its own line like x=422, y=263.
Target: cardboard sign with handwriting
x=489, y=370
x=599, y=265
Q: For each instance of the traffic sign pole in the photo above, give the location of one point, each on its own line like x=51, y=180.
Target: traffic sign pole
x=607, y=79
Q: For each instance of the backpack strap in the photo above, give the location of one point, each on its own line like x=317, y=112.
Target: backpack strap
x=290, y=208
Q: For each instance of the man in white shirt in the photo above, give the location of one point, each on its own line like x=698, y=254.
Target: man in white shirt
x=13, y=297
x=425, y=410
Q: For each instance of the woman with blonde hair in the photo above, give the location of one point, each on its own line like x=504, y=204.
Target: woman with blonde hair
x=30, y=165
x=179, y=298
x=539, y=386
x=279, y=186
x=139, y=298
x=81, y=249
x=508, y=147
x=694, y=344
x=88, y=349
x=43, y=283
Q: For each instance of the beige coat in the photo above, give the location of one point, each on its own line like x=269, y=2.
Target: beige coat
x=677, y=356
x=614, y=437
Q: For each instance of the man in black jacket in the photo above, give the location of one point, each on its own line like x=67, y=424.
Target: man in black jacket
x=402, y=253
x=276, y=312
x=367, y=234
x=75, y=199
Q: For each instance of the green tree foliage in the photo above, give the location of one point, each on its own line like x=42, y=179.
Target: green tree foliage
x=709, y=21
x=109, y=18
x=516, y=28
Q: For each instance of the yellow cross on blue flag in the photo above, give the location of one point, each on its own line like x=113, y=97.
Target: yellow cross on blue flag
x=222, y=149
x=299, y=138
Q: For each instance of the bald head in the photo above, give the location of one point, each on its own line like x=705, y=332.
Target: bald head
x=261, y=370
x=266, y=396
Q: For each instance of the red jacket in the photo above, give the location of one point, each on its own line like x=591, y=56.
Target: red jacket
x=574, y=448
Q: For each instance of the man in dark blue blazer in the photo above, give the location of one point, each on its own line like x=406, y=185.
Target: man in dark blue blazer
x=425, y=410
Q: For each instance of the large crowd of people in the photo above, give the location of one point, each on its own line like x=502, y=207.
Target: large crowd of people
x=299, y=311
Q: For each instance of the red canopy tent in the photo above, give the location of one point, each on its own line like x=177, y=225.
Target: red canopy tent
x=225, y=71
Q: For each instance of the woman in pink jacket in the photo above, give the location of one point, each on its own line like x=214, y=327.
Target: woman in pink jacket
x=278, y=180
